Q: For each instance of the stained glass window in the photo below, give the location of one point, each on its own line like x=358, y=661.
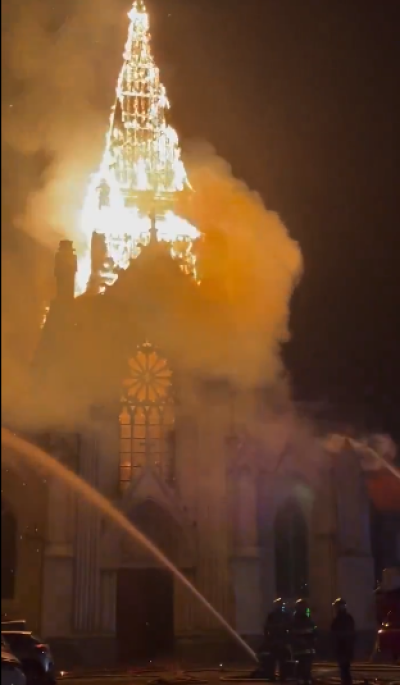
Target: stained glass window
x=147, y=417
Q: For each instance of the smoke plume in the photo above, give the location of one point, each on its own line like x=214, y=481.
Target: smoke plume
x=59, y=66
x=60, y=63
x=251, y=266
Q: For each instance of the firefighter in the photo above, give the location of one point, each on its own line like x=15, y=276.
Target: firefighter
x=304, y=633
x=276, y=641
x=343, y=633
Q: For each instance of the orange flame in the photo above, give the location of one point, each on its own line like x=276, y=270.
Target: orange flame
x=142, y=170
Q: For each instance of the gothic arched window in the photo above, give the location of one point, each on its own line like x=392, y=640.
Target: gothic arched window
x=147, y=417
x=291, y=551
x=8, y=552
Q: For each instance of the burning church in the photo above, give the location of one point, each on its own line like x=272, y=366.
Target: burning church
x=230, y=484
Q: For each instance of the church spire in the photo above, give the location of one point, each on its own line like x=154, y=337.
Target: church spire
x=142, y=171
x=143, y=150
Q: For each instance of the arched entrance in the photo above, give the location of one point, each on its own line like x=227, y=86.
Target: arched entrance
x=145, y=590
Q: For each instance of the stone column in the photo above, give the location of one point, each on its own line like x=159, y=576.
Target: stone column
x=213, y=572
x=246, y=507
x=60, y=521
x=184, y=607
x=87, y=610
x=58, y=562
x=355, y=565
x=246, y=562
x=108, y=600
x=266, y=493
x=323, y=549
x=186, y=461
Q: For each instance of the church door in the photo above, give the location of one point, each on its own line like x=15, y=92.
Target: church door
x=145, y=618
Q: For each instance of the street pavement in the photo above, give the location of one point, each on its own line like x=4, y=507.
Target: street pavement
x=363, y=673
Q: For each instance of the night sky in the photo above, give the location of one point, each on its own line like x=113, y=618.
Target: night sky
x=302, y=98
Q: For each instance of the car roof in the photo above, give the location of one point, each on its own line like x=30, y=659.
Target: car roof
x=9, y=657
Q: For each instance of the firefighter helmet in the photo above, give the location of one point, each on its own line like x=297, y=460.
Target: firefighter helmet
x=339, y=604
x=279, y=604
x=301, y=607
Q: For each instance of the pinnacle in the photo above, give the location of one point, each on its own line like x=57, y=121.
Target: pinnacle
x=138, y=12
x=138, y=6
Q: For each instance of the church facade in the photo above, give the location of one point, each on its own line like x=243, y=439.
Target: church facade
x=208, y=471
x=244, y=525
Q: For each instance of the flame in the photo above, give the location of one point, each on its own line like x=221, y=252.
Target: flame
x=141, y=171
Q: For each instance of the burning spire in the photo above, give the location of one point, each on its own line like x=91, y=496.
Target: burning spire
x=141, y=172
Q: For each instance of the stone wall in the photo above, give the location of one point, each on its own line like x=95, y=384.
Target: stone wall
x=24, y=492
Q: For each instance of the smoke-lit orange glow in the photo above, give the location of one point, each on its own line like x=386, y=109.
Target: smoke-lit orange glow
x=232, y=327
x=141, y=172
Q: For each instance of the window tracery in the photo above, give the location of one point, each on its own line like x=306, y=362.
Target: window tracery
x=147, y=417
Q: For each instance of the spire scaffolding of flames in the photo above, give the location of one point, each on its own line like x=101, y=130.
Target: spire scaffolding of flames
x=141, y=172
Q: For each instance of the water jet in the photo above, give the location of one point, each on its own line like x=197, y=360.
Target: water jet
x=48, y=463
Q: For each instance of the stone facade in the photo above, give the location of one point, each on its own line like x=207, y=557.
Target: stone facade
x=241, y=518
x=23, y=514
x=218, y=527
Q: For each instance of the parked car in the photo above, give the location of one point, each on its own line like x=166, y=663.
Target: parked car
x=387, y=645
x=388, y=639
x=19, y=624
x=35, y=656
x=11, y=670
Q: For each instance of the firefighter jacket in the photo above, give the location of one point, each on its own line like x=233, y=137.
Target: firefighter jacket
x=277, y=629
x=304, y=633
x=343, y=636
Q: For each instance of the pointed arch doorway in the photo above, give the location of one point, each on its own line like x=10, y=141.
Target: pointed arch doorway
x=145, y=590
